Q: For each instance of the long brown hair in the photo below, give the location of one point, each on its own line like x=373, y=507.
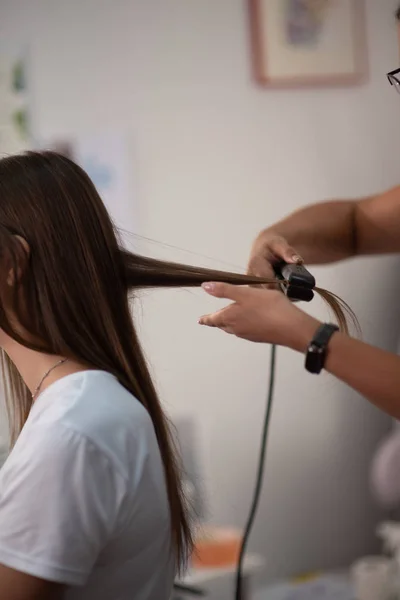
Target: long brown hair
x=73, y=293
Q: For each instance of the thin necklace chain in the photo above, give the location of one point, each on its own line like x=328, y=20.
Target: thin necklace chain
x=58, y=363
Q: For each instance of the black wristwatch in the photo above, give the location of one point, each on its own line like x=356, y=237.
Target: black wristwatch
x=316, y=352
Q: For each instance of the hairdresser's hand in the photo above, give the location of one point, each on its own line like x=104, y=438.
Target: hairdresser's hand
x=268, y=249
x=260, y=316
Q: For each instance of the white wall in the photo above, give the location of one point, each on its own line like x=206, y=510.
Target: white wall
x=215, y=158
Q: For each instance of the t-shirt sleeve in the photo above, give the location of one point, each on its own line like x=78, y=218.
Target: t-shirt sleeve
x=59, y=505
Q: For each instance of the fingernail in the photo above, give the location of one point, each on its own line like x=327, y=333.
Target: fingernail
x=296, y=258
x=200, y=321
x=209, y=287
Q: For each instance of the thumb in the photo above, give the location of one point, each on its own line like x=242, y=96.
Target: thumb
x=225, y=290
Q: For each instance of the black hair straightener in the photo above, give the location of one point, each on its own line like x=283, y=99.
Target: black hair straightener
x=297, y=282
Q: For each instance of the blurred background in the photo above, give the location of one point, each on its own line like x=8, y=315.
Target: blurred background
x=162, y=102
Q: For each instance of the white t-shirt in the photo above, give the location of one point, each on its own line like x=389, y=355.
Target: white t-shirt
x=83, y=497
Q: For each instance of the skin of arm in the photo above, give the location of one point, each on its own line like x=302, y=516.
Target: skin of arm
x=268, y=316
x=15, y=585
x=372, y=372
x=320, y=233
x=331, y=231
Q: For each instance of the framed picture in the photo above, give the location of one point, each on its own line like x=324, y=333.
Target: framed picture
x=308, y=42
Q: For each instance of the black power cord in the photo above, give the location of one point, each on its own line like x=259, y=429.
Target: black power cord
x=239, y=595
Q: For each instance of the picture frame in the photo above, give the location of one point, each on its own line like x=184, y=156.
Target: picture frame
x=303, y=43
x=397, y=15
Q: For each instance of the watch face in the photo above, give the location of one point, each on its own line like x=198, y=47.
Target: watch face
x=315, y=359
x=314, y=349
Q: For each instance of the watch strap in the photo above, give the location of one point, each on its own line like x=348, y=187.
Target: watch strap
x=316, y=352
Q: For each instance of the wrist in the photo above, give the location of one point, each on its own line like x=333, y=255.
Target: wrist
x=302, y=332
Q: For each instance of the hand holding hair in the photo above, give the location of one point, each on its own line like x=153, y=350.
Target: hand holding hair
x=260, y=315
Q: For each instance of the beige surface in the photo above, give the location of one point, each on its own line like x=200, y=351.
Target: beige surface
x=254, y=563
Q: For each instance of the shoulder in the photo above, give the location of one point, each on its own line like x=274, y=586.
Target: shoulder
x=60, y=501
x=47, y=453
x=92, y=408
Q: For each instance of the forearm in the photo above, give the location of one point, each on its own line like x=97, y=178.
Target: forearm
x=320, y=233
x=372, y=372
x=332, y=231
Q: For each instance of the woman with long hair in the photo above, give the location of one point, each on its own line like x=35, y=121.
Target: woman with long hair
x=91, y=503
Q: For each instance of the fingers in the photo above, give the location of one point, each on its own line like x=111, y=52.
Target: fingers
x=220, y=319
x=266, y=252
x=282, y=250
x=226, y=290
x=260, y=267
x=260, y=316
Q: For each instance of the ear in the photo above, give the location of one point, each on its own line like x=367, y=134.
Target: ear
x=24, y=244
x=26, y=250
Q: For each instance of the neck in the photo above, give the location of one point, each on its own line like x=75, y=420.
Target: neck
x=33, y=365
